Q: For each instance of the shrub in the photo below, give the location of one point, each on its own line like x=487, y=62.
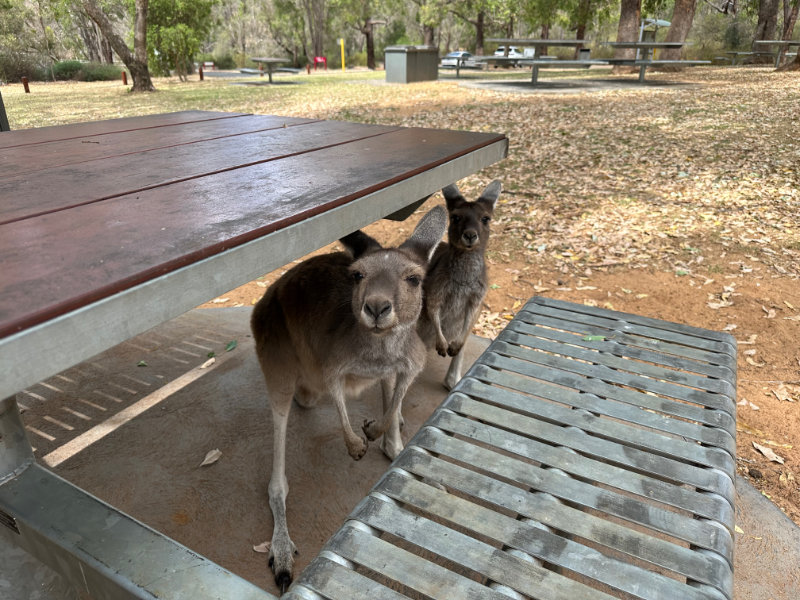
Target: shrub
x=74, y=70
x=224, y=61
x=99, y=72
x=14, y=67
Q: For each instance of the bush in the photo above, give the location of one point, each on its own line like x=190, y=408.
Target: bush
x=224, y=61
x=14, y=67
x=66, y=69
x=74, y=70
x=99, y=72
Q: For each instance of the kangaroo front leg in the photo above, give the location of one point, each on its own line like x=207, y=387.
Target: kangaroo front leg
x=453, y=375
x=392, y=442
x=356, y=446
x=434, y=314
x=375, y=429
x=282, y=550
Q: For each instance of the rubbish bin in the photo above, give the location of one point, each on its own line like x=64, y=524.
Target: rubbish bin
x=407, y=64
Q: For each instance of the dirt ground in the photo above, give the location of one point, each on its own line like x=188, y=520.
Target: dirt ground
x=720, y=288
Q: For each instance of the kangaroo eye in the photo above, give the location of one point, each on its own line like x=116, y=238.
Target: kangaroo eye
x=485, y=220
x=413, y=280
x=455, y=219
x=357, y=276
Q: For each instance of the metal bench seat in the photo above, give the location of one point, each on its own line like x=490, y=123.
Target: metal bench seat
x=586, y=454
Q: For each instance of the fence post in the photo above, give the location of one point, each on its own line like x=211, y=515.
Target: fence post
x=25, y=85
x=124, y=78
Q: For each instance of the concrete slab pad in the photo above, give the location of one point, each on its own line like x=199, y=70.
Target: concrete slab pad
x=135, y=436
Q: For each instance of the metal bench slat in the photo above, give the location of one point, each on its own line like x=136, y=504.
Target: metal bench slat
x=337, y=582
x=593, y=400
x=532, y=539
x=705, y=505
x=402, y=566
x=614, y=355
x=626, y=437
x=714, y=341
x=563, y=320
x=577, y=492
x=480, y=557
x=505, y=346
x=643, y=399
x=711, y=569
x=620, y=345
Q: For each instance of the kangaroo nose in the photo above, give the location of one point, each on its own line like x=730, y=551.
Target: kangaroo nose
x=377, y=308
x=470, y=237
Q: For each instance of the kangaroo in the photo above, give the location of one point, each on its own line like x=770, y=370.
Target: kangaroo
x=456, y=280
x=332, y=325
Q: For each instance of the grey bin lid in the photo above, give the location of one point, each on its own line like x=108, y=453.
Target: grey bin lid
x=408, y=49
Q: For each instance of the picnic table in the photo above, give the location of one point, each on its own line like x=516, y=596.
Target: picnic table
x=645, y=55
x=109, y=228
x=535, y=60
x=270, y=63
x=781, y=47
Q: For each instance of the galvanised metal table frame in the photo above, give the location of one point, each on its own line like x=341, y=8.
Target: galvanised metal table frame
x=112, y=227
x=586, y=454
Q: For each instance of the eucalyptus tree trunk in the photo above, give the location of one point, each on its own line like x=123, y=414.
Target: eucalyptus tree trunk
x=682, y=17
x=136, y=61
x=630, y=12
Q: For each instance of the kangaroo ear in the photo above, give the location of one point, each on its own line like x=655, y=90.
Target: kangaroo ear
x=428, y=233
x=358, y=242
x=491, y=193
x=452, y=196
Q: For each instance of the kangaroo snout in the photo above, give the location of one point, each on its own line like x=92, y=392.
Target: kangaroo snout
x=469, y=238
x=377, y=312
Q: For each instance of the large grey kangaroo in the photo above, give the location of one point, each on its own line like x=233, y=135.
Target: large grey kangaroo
x=332, y=325
x=456, y=281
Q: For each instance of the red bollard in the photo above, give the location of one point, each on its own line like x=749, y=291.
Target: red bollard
x=124, y=78
x=25, y=85
x=200, y=72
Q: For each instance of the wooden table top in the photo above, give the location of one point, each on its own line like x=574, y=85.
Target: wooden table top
x=91, y=210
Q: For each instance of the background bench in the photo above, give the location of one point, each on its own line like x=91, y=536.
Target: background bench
x=586, y=454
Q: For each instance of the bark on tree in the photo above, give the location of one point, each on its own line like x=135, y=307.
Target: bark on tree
x=316, y=12
x=767, y=20
x=479, y=23
x=584, y=9
x=136, y=61
x=789, y=20
x=630, y=12
x=682, y=17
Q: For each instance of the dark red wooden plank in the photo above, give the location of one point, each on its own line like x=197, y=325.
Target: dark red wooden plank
x=32, y=159
x=120, y=175
x=23, y=137
x=61, y=261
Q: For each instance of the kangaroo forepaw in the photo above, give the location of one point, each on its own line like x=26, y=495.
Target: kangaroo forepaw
x=453, y=349
x=357, y=448
x=369, y=429
x=441, y=349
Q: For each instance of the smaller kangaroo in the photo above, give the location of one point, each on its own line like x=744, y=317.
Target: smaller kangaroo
x=332, y=325
x=456, y=281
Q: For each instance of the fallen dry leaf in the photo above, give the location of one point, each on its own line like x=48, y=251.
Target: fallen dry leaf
x=738, y=529
x=742, y=426
x=750, y=361
x=786, y=393
x=219, y=300
x=208, y=363
x=770, y=312
x=263, y=547
x=211, y=457
x=768, y=452
x=729, y=327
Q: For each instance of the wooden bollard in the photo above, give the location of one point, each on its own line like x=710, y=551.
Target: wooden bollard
x=200, y=72
x=25, y=85
x=124, y=78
